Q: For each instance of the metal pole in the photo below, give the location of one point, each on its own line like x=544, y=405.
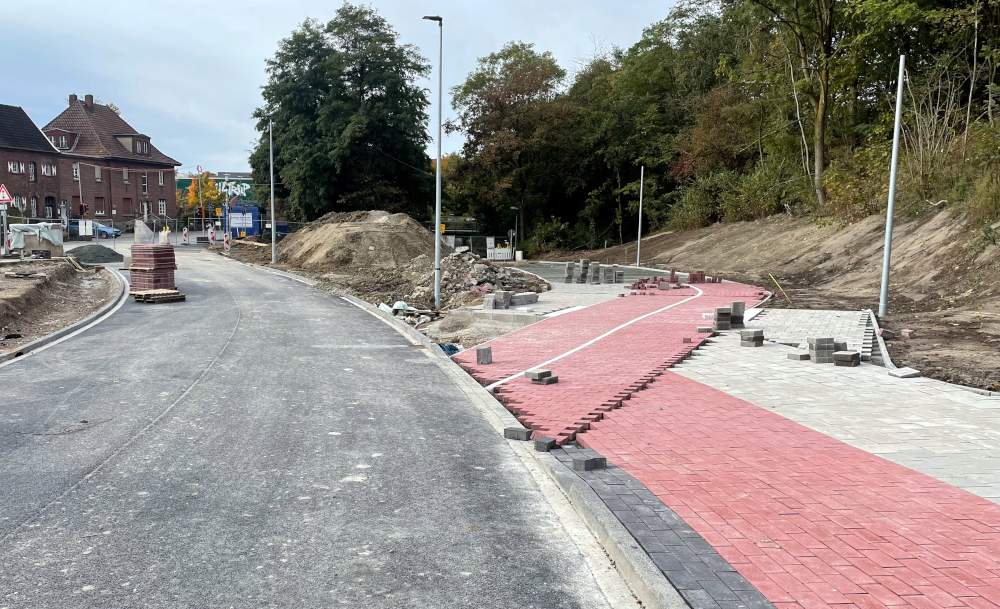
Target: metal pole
x=887, y=252
x=79, y=183
x=638, y=243
x=274, y=226
x=201, y=204
x=437, y=199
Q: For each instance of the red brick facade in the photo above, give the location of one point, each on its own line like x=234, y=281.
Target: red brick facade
x=28, y=176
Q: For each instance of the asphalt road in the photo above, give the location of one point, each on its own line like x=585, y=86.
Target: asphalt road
x=264, y=444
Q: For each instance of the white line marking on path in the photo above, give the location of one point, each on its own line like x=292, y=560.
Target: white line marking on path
x=594, y=340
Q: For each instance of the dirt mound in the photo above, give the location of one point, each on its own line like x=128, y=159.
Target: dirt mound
x=365, y=240
x=96, y=254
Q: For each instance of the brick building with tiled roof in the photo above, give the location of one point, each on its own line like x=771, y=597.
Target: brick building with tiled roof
x=118, y=171
x=28, y=164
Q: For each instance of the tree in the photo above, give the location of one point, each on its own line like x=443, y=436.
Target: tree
x=510, y=113
x=349, y=121
x=813, y=28
x=211, y=197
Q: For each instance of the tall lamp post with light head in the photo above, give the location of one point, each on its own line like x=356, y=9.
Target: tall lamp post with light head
x=437, y=201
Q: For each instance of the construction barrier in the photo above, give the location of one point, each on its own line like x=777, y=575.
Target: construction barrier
x=211, y=235
x=184, y=236
x=225, y=241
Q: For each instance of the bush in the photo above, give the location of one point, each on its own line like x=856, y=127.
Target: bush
x=699, y=203
x=772, y=188
x=858, y=184
x=548, y=236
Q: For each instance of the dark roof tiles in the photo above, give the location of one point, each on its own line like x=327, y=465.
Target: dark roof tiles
x=98, y=128
x=18, y=131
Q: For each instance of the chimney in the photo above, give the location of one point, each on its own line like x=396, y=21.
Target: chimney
x=88, y=100
x=72, y=98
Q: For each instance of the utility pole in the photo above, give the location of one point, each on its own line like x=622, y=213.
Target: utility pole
x=638, y=243
x=437, y=201
x=274, y=226
x=201, y=204
x=883, y=300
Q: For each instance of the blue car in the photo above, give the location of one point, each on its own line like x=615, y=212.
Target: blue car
x=101, y=230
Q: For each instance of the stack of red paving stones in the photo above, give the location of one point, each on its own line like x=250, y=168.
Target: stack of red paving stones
x=153, y=267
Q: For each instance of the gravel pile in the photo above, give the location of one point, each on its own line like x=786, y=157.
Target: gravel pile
x=96, y=254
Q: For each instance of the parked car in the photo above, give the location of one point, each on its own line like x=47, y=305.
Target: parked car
x=103, y=231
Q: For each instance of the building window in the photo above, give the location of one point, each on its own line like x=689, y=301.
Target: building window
x=76, y=171
x=15, y=167
x=34, y=207
x=62, y=141
x=125, y=175
x=163, y=207
x=52, y=140
x=31, y=171
x=145, y=147
x=145, y=187
x=161, y=178
x=48, y=211
x=99, y=206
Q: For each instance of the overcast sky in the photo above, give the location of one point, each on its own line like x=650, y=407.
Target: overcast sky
x=188, y=73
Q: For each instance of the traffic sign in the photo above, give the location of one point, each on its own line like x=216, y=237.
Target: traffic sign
x=4, y=195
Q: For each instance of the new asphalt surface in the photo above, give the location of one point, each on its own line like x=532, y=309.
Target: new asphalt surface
x=263, y=444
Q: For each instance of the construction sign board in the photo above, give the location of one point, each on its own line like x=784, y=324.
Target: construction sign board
x=4, y=195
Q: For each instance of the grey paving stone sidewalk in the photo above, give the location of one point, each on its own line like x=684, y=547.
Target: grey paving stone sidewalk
x=703, y=577
x=932, y=427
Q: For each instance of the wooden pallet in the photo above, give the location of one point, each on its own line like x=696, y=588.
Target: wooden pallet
x=156, y=296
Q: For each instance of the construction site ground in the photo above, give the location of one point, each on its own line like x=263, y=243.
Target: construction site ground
x=944, y=281
x=33, y=308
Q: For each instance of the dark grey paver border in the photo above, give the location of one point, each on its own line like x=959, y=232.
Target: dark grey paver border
x=703, y=577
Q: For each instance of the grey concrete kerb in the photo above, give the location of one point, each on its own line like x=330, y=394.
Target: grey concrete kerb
x=45, y=340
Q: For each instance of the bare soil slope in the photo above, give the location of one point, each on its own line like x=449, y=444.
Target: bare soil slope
x=944, y=281
x=33, y=308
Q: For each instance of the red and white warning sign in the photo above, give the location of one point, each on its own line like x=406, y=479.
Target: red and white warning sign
x=225, y=241
x=5, y=197
x=211, y=235
x=184, y=237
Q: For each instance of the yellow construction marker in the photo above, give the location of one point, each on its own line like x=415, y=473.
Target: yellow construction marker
x=783, y=292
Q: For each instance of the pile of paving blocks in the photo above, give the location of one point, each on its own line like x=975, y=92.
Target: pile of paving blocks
x=505, y=299
x=821, y=349
x=524, y=298
x=619, y=276
x=570, y=266
x=847, y=359
x=595, y=272
x=722, y=319
x=584, y=270
x=751, y=338
x=484, y=355
x=696, y=277
x=609, y=274
x=153, y=267
x=541, y=377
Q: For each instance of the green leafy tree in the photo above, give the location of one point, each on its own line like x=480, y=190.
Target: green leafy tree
x=510, y=113
x=350, y=123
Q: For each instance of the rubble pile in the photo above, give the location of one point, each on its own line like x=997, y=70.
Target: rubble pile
x=465, y=279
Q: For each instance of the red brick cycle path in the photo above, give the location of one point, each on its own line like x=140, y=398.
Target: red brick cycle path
x=597, y=378
x=807, y=519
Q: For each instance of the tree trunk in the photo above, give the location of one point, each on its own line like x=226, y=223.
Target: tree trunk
x=819, y=148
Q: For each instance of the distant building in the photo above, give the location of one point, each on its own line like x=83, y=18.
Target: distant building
x=29, y=164
x=237, y=184
x=118, y=171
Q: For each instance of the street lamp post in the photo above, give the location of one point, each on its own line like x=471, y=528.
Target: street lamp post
x=515, y=232
x=274, y=226
x=437, y=201
x=883, y=299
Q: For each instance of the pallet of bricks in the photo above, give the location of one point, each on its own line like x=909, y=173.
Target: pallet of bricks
x=152, y=274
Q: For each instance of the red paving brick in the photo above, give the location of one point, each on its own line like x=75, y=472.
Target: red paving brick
x=594, y=380
x=807, y=519
x=893, y=538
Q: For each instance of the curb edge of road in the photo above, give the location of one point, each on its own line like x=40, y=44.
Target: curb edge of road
x=635, y=567
x=646, y=581
x=48, y=338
